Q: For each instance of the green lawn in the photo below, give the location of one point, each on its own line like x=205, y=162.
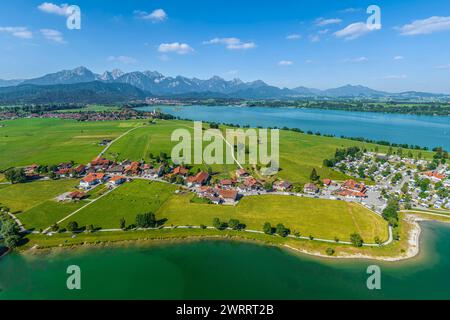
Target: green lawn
x=320, y=218
x=92, y=108
x=51, y=141
x=22, y=197
x=126, y=202
x=47, y=213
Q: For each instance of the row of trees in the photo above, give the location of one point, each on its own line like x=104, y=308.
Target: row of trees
x=233, y=224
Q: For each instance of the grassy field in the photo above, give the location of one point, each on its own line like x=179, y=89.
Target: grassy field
x=126, y=202
x=47, y=213
x=320, y=218
x=92, y=108
x=22, y=197
x=51, y=141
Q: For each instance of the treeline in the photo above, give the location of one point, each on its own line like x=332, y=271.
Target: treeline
x=389, y=107
x=44, y=107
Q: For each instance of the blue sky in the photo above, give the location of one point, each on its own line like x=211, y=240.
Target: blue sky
x=321, y=43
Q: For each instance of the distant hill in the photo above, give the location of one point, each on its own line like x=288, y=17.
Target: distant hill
x=88, y=92
x=215, y=87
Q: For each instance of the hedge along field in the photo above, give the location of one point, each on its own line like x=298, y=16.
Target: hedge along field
x=52, y=141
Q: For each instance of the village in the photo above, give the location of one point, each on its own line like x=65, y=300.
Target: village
x=377, y=178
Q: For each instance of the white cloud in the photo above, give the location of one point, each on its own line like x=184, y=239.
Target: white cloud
x=358, y=59
x=350, y=10
x=425, y=26
x=232, y=43
x=399, y=57
x=18, y=32
x=158, y=15
x=293, y=37
x=393, y=76
x=314, y=38
x=53, y=35
x=48, y=7
x=445, y=66
x=232, y=72
x=122, y=59
x=324, y=31
x=175, y=47
x=354, y=31
x=285, y=63
x=321, y=22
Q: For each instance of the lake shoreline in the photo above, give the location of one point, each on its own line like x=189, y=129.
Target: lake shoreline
x=413, y=244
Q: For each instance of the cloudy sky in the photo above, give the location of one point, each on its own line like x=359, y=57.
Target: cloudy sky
x=320, y=43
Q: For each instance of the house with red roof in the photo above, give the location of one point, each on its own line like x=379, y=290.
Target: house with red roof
x=92, y=179
x=198, y=180
x=117, y=180
x=228, y=196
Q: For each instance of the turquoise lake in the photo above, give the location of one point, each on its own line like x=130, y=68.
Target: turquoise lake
x=426, y=131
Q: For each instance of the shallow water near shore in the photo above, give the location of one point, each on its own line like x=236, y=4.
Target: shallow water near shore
x=224, y=270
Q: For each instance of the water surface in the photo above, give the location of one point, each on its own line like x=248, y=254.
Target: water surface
x=426, y=131
x=225, y=270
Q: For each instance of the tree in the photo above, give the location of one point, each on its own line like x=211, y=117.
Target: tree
x=234, y=224
x=12, y=241
x=219, y=225
x=122, y=223
x=267, y=228
x=146, y=220
x=314, y=177
x=16, y=175
x=282, y=231
x=10, y=231
x=330, y=251
x=72, y=226
x=356, y=240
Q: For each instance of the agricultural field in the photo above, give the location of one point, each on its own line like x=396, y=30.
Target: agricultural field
x=134, y=198
x=92, y=108
x=51, y=141
x=22, y=197
x=320, y=218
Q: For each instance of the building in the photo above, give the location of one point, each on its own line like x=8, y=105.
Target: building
x=198, y=180
x=76, y=195
x=242, y=173
x=99, y=161
x=117, y=180
x=282, y=186
x=115, y=170
x=434, y=176
x=92, y=179
x=228, y=196
x=311, y=188
x=180, y=171
x=352, y=189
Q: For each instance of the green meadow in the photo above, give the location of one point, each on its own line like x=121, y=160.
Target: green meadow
x=50, y=141
x=319, y=218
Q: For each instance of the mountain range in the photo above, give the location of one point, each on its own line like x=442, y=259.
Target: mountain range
x=135, y=85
